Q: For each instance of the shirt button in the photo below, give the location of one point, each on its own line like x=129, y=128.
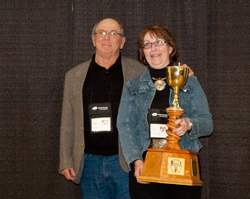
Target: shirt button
x=82, y=145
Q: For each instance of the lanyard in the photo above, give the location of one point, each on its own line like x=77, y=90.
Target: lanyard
x=103, y=73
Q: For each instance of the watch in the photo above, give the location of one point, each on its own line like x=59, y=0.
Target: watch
x=190, y=124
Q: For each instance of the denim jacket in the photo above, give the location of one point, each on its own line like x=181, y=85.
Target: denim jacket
x=132, y=121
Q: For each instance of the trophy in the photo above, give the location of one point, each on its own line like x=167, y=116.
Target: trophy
x=172, y=164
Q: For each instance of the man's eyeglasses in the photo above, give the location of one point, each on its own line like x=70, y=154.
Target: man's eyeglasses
x=103, y=33
x=157, y=43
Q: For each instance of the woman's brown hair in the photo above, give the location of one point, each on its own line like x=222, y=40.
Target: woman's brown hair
x=161, y=32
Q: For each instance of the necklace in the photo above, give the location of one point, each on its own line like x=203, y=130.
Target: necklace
x=159, y=84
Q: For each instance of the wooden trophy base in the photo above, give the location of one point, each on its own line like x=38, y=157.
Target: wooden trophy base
x=171, y=167
x=172, y=164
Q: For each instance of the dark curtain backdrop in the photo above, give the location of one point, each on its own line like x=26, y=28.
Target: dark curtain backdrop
x=41, y=40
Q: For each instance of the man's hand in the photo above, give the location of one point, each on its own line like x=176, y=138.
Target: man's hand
x=138, y=170
x=191, y=73
x=69, y=173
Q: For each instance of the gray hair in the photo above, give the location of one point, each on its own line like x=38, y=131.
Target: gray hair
x=121, y=27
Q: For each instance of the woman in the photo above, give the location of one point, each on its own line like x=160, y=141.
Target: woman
x=149, y=94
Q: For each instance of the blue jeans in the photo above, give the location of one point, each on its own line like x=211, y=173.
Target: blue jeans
x=103, y=178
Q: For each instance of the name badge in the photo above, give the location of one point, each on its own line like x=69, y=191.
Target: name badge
x=100, y=115
x=101, y=124
x=158, y=131
x=157, y=119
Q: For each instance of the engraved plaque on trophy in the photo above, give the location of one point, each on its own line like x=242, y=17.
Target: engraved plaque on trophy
x=172, y=164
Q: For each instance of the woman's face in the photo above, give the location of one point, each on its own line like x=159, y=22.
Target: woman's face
x=157, y=56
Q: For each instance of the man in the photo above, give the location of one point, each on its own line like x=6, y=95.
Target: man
x=90, y=153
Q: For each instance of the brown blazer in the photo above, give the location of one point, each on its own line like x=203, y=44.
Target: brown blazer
x=72, y=127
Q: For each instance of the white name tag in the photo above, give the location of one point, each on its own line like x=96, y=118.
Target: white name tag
x=101, y=124
x=158, y=131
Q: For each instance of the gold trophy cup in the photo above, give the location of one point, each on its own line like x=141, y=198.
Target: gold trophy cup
x=177, y=78
x=172, y=164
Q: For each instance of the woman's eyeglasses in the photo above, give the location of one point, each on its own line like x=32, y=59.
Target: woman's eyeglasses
x=157, y=43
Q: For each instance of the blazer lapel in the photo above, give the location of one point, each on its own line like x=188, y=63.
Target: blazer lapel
x=79, y=78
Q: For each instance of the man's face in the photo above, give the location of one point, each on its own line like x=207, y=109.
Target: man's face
x=107, y=44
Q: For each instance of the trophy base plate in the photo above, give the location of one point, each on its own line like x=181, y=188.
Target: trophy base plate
x=178, y=167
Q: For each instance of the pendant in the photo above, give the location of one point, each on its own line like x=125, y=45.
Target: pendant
x=160, y=84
